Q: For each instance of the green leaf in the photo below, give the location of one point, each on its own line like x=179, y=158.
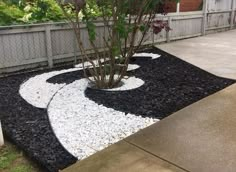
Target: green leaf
x=91, y=30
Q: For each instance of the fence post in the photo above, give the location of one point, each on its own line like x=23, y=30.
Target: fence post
x=1, y=136
x=49, y=46
x=178, y=7
x=204, y=21
x=168, y=34
x=232, y=14
x=75, y=48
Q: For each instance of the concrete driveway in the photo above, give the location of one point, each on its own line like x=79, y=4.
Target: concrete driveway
x=215, y=53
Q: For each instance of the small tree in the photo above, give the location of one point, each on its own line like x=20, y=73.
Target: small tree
x=126, y=23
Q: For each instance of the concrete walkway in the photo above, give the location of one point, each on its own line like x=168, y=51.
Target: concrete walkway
x=215, y=53
x=198, y=138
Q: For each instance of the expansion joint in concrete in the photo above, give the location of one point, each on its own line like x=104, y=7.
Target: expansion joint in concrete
x=132, y=144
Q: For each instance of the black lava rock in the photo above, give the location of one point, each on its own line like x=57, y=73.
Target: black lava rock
x=170, y=84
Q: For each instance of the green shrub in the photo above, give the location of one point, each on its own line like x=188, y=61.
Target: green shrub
x=42, y=11
x=37, y=11
x=10, y=14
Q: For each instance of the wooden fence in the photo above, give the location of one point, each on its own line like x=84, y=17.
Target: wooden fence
x=31, y=46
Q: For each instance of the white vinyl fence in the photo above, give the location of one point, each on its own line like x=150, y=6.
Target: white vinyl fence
x=31, y=46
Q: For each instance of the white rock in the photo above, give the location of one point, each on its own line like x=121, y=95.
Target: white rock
x=82, y=126
x=84, y=131
x=128, y=84
x=37, y=92
x=153, y=56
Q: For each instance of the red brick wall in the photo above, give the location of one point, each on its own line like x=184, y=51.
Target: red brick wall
x=185, y=5
x=190, y=5
x=171, y=7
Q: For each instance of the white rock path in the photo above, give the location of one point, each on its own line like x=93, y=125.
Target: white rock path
x=84, y=127
x=38, y=92
x=81, y=125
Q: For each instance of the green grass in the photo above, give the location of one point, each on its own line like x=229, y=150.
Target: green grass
x=13, y=160
x=8, y=156
x=22, y=168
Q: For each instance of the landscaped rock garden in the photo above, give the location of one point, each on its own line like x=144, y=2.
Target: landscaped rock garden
x=57, y=119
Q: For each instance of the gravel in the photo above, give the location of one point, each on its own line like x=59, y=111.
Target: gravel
x=170, y=85
x=38, y=92
x=28, y=127
x=96, y=126
x=84, y=127
x=166, y=84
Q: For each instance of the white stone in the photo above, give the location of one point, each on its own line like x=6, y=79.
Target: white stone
x=38, y=92
x=81, y=125
x=153, y=56
x=128, y=83
x=84, y=127
x=132, y=67
x=1, y=136
x=88, y=64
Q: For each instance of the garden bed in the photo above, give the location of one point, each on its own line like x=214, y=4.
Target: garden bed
x=56, y=119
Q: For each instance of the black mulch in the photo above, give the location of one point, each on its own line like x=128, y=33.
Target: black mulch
x=170, y=84
x=28, y=127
